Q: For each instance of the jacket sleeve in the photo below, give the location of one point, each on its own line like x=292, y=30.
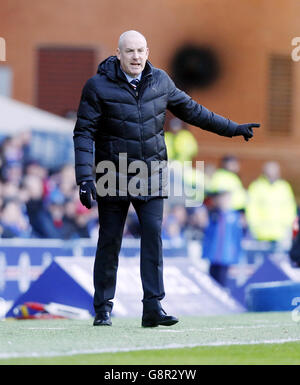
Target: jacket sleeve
x=188, y=110
x=88, y=116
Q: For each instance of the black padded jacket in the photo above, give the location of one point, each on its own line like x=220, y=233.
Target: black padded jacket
x=119, y=124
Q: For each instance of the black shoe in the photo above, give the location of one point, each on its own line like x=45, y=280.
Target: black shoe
x=157, y=318
x=102, y=319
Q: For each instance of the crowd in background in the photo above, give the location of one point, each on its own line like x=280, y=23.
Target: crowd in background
x=36, y=202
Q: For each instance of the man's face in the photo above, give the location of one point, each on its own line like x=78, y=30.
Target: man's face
x=133, y=54
x=272, y=171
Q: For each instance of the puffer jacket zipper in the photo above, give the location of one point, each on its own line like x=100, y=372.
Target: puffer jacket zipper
x=138, y=93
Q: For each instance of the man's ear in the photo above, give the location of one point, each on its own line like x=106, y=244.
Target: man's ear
x=118, y=53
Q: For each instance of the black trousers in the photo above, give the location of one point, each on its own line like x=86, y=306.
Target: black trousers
x=219, y=273
x=112, y=217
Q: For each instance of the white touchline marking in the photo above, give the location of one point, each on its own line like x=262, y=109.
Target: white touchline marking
x=44, y=328
x=164, y=347
x=205, y=329
x=174, y=331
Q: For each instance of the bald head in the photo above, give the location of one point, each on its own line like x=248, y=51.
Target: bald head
x=132, y=52
x=131, y=35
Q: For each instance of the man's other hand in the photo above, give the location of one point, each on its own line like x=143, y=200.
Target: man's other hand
x=87, y=191
x=246, y=130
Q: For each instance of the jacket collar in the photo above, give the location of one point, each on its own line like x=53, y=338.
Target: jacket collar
x=111, y=68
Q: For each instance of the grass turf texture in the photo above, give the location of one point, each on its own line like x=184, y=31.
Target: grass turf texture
x=249, y=338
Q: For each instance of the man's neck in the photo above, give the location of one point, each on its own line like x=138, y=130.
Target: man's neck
x=130, y=77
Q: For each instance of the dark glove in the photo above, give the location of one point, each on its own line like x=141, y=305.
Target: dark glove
x=86, y=190
x=246, y=130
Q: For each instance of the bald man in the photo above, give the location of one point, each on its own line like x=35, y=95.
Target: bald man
x=121, y=115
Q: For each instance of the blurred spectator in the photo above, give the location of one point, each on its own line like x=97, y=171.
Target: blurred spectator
x=35, y=168
x=9, y=190
x=209, y=170
x=78, y=221
x=38, y=202
x=180, y=214
x=32, y=188
x=181, y=143
x=172, y=232
x=197, y=223
x=226, y=177
x=14, y=222
x=70, y=212
x=223, y=236
x=55, y=211
x=12, y=171
x=174, y=225
x=15, y=148
x=271, y=208
x=66, y=181
x=40, y=217
x=82, y=221
x=11, y=151
x=294, y=252
x=62, y=180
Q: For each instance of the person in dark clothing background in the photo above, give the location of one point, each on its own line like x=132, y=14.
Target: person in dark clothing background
x=122, y=113
x=222, y=240
x=294, y=251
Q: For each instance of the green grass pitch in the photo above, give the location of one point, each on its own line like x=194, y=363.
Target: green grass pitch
x=247, y=338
